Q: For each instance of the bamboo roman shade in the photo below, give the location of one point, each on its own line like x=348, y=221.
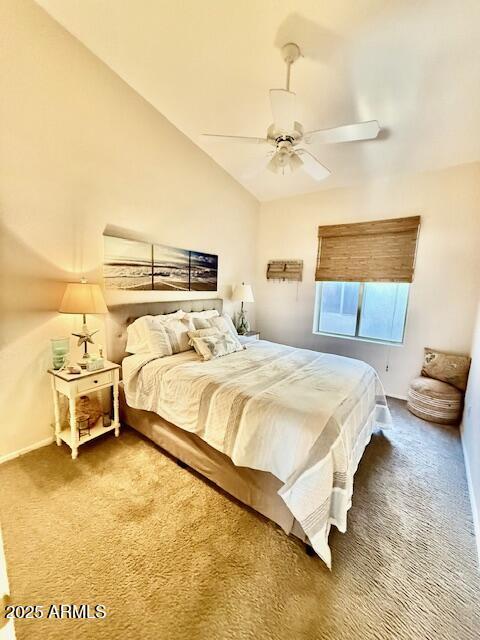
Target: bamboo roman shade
x=377, y=251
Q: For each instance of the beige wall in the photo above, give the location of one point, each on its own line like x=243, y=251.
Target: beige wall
x=79, y=151
x=471, y=429
x=447, y=276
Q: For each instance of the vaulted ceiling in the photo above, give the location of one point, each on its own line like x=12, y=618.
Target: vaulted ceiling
x=207, y=66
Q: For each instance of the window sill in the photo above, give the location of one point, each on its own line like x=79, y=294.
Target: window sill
x=358, y=339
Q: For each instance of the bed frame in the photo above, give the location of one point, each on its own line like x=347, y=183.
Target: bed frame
x=256, y=489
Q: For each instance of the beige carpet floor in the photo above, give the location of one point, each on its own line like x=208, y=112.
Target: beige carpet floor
x=172, y=558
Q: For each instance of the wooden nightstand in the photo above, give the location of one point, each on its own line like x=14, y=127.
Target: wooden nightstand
x=82, y=384
x=251, y=335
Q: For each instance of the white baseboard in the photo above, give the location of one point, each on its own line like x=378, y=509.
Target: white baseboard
x=31, y=447
x=475, y=514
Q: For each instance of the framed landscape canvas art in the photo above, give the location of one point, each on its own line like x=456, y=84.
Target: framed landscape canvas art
x=134, y=265
x=171, y=268
x=127, y=264
x=203, y=271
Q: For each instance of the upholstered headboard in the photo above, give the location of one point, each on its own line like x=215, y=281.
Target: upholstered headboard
x=122, y=315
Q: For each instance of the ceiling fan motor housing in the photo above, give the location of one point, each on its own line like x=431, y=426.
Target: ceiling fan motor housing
x=275, y=137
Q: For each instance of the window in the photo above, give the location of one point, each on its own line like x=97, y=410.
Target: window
x=364, y=310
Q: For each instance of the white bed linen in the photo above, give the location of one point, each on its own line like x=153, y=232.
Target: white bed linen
x=306, y=417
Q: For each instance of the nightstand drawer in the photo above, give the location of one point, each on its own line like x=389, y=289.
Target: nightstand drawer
x=94, y=381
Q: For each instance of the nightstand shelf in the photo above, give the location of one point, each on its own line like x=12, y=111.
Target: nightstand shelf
x=72, y=386
x=97, y=430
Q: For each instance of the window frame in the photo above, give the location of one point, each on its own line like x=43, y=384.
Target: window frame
x=316, y=318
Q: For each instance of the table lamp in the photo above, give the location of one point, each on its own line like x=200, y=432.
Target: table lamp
x=243, y=293
x=81, y=297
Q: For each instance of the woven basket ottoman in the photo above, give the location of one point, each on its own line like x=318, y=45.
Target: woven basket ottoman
x=435, y=401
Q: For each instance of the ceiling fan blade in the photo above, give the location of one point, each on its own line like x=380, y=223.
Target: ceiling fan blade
x=346, y=133
x=283, y=109
x=312, y=166
x=241, y=139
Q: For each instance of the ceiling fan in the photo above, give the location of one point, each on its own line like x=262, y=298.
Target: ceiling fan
x=285, y=134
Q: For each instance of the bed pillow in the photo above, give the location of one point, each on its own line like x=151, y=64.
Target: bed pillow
x=177, y=331
x=158, y=339
x=166, y=317
x=137, y=336
x=446, y=367
x=201, y=316
x=216, y=346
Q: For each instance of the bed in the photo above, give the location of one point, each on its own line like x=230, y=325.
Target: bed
x=280, y=429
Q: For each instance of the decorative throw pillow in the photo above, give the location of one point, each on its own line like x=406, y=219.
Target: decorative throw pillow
x=216, y=346
x=230, y=323
x=177, y=331
x=446, y=367
x=201, y=323
x=222, y=323
x=201, y=333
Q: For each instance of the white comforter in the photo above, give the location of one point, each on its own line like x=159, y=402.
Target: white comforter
x=305, y=417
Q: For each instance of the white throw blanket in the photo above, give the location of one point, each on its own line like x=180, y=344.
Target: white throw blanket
x=306, y=417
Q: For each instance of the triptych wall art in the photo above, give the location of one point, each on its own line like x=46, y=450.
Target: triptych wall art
x=140, y=266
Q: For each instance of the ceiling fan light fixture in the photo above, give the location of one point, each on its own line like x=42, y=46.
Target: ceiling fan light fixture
x=284, y=162
x=273, y=166
x=295, y=162
x=283, y=159
x=280, y=163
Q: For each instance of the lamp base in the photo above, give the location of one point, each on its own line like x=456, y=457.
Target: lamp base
x=84, y=337
x=83, y=362
x=243, y=325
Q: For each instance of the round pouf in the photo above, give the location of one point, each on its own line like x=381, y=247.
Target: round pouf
x=435, y=401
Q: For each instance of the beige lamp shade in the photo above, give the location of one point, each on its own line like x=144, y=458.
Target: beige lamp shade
x=81, y=297
x=243, y=293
